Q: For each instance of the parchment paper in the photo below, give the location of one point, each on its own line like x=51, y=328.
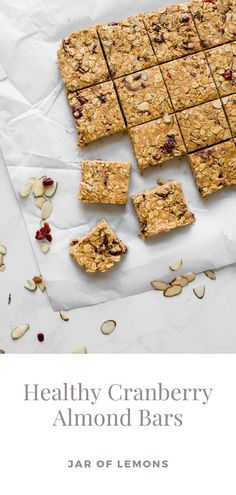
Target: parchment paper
x=38, y=137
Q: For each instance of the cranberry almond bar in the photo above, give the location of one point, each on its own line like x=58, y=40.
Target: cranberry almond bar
x=229, y=104
x=81, y=60
x=104, y=182
x=126, y=46
x=222, y=62
x=203, y=125
x=157, y=141
x=215, y=21
x=162, y=209
x=96, y=111
x=99, y=250
x=189, y=81
x=214, y=167
x=172, y=32
x=143, y=96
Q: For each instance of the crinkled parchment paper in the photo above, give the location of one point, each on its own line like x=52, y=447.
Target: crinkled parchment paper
x=38, y=137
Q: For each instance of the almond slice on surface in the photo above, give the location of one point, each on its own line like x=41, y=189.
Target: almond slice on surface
x=80, y=350
x=26, y=188
x=176, y=265
x=2, y=267
x=46, y=209
x=39, y=201
x=159, y=285
x=190, y=276
x=210, y=274
x=3, y=249
x=30, y=285
x=64, y=316
x=38, y=188
x=44, y=246
x=50, y=190
x=108, y=327
x=18, y=332
x=180, y=281
x=199, y=291
x=174, y=290
x=1, y=259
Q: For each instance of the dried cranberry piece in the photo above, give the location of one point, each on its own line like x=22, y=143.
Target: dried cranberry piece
x=40, y=337
x=186, y=46
x=156, y=28
x=94, y=49
x=209, y=1
x=82, y=100
x=47, y=227
x=170, y=144
x=77, y=112
x=228, y=75
x=204, y=44
x=185, y=19
x=223, y=16
x=48, y=181
x=159, y=39
x=41, y=234
x=49, y=237
x=102, y=98
x=137, y=77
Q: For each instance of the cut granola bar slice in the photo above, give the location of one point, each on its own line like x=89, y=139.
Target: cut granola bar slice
x=104, y=182
x=214, y=167
x=203, y=125
x=157, y=141
x=81, y=60
x=126, y=46
x=143, y=96
x=99, y=250
x=229, y=104
x=172, y=32
x=215, y=21
x=222, y=62
x=162, y=209
x=96, y=111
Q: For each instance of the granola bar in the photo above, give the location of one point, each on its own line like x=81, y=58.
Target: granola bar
x=215, y=21
x=81, y=60
x=99, y=250
x=214, y=167
x=104, y=182
x=172, y=32
x=203, y=125
x=222, y=62
x=157, y=141
x=96, y=111
x=189, y=81
x=143, y=96
x=126, y=46
x=229, y=104
x=162, y=209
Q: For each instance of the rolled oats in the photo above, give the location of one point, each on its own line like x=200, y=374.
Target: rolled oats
x=215, y=21
x=229, y=104
x=222, y=62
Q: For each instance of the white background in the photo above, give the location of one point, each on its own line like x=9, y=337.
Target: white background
x=33, y=454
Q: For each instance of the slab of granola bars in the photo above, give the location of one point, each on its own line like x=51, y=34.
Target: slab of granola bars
x=162, y=209
x=104, y=182
x=99, y=250
x=214, y=167
x=222, y=62
x=229, y=104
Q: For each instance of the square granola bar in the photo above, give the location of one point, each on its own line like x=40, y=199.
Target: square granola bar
x=126, y=46
x=203, y=125
x=104, y=182
x=143, y=96
x=172, y=32
x=214, y=167
x=157, y=141
x=99, y=250
x=81, y=60
x=222, y=62
x=162, y=209
x=189, y=81
x=215, y=21
x=229, y=104
x=96, y=111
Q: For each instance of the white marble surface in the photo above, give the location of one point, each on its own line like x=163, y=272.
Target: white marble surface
x=145, y=323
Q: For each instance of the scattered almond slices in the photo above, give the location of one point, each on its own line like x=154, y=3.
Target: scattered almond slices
x=39, y=201
x=44, y=247
x=210, y=274
x=199, y=291
x=64, y=316
x=38, y=187
x=174, y=290
x=108, y=327
x=50, y=190
x=3, y=249
x=181, y=280
x=176, y=265
x=190, y=276
x=30, y=285
x=80, y=350
x=159, y=285
x=26, y=188
x=18, y=332
x=46, y=209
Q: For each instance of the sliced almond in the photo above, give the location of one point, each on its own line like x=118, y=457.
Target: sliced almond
x=3, y=249
x=38, y=188
x=2, y=267
x=80, y=350
x=30, y=285
x=19, y=331
x=44, y=246
x=199, y=291
x=176, y=265
x=26, y=188
x=1, y=259
x=210, y=274
x=64, y=316
x=108, y=327
x=161, y=182
x=217, y=104
x=50, y=190
x=39, y=202
x=190, y=276
x=143, y=106
x=174, y=290
x=159, y=285
x=180, y=281
x=46, y=209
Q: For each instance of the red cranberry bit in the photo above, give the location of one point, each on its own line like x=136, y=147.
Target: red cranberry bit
x=82, y=100
x=159, y=39
x=185, y=19
x=41, y=234
x=102, y=98
x=186, y=46
x=156, y=28
x=209, y=1
x=170, y=143
x=48, y=182
x=228, y=75
x=40, y=337
x=47, y=228
x=77, y=112
x=49, y=237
